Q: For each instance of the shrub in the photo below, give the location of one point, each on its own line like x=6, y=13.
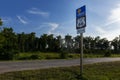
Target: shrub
x=23, y=58
x=70, y=56
x=7, y=55
x=63, y=55
x=107, y=54
x=34, y=56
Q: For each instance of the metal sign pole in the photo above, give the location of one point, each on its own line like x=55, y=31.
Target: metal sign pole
x=81, y=55
x=80, y=26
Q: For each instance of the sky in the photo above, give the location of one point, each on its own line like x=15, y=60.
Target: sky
x=58, y=17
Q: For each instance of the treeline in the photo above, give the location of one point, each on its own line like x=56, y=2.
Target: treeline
x=22, y=42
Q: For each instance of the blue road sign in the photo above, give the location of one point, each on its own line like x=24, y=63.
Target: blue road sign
x=81, y=18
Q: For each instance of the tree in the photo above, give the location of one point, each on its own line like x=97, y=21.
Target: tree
x=43, y=42
x=87, y=42
x=30, y=41
x=21, y=41
x=9, y=47
x=10, y=38
x=95, y=42
x=58, y=43
x=115, y=43
x=69, y=42
x=103, y=44
x=77, y=42
x=2, y=39
x=1, y=23
x=36, y=44
x=50, y=42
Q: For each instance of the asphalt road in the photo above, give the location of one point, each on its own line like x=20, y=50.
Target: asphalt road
x=41, y=64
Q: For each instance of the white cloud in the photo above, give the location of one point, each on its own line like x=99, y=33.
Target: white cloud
x=110, y=35
x=36, y=11
x=113, y=22
x=111, y=28
x=115, y=13
x=110, y=22
x=114, y=16
x=49, y=27
x=100, y=30
x=52, y=26
x=22, y=20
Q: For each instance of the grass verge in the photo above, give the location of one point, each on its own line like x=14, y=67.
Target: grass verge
x=44, y=56
x=98, y=71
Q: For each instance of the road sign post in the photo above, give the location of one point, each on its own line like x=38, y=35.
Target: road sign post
x=80, y=26
x=81, y=55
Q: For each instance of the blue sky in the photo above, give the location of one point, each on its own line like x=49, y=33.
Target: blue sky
x=59, y=16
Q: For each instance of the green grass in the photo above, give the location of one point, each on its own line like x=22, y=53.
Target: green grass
x=93, y=55
x=37, y=55
x=98, y=71
x=44, y=56
x=103, y=71
x=99, y=55
x=115, y=55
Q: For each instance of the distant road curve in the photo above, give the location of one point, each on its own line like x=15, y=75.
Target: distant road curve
x=7, y=66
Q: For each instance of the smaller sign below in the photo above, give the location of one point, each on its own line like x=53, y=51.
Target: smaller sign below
x=81, y=30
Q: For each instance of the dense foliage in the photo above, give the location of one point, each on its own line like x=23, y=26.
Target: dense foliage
x=12, y=43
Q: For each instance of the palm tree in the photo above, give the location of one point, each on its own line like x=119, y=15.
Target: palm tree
x=115, y=44
x=69, y=42
x=43, y=42
x=87, y=42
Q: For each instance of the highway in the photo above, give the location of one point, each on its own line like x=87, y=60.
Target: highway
x=9, y=66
